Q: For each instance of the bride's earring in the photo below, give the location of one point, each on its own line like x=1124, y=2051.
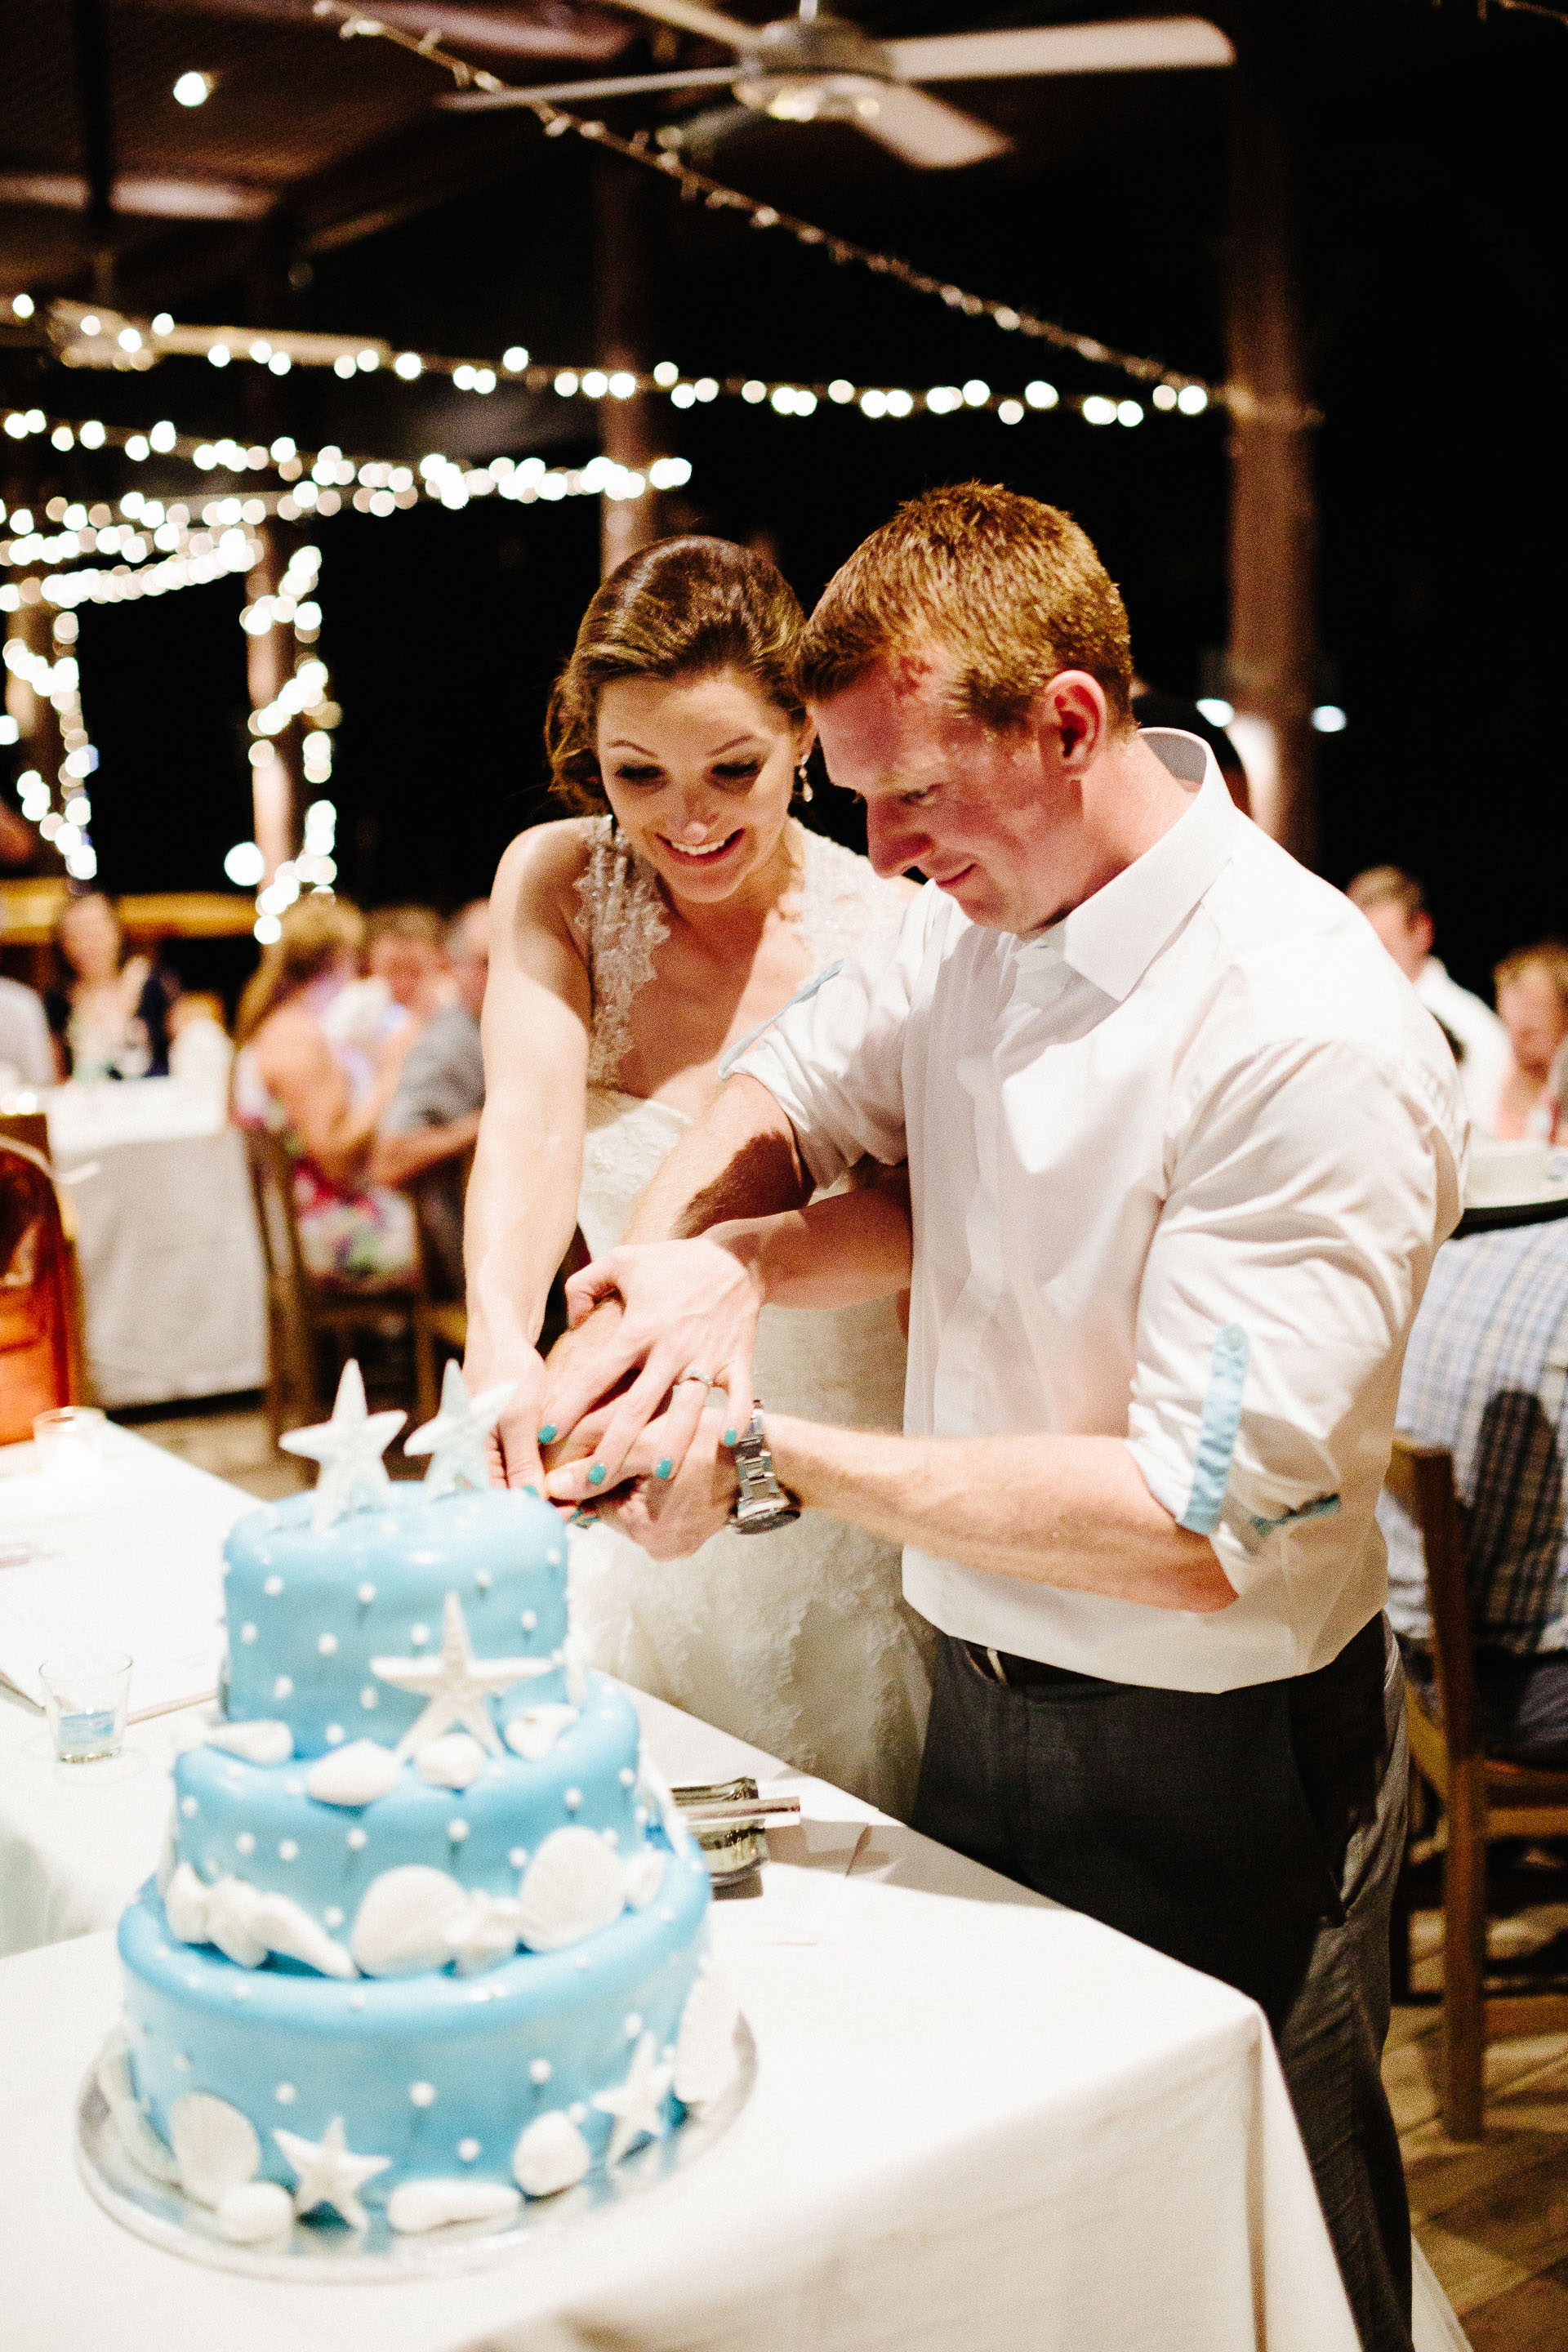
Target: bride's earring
x=801, y=768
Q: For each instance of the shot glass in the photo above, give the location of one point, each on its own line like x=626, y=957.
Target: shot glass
x=85, y=1695
x=69, y=1443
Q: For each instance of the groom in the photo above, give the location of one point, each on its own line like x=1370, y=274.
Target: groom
x=1180, y=1145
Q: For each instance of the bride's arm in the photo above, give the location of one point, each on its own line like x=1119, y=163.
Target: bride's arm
x=527, y=1164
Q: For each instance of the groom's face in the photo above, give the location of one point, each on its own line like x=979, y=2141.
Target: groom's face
x=989, y=816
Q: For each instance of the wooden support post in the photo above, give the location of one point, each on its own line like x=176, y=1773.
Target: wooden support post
x=1273, y=653
x=624, y=271
x=276, y=780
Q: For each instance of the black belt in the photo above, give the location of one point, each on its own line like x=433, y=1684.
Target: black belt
x=1017, y=1673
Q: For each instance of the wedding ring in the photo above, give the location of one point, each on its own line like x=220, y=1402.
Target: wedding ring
x=703, y=1377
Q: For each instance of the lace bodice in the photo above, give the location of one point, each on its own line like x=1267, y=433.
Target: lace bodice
x=842, y=908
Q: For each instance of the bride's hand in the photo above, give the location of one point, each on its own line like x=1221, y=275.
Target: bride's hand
x=511, y=1448
x=688, y=1321
x=670, y=1514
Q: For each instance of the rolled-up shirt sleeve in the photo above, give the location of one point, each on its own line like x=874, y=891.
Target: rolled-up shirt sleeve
x=1308, y=1182
x=835, y=1063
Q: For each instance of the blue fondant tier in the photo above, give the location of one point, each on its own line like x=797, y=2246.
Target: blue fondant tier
x=308, y=1613
x=439, y=2074
x=257, y=1821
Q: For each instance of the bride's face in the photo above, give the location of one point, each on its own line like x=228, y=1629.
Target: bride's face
x=698, y=772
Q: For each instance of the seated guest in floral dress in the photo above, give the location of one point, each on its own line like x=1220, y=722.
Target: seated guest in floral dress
x=1484, y=1376
x=324, y=1093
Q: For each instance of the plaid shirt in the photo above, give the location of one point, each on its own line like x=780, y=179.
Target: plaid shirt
x=1487, y=1375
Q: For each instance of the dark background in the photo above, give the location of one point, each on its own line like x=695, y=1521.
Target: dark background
x=1429, y=153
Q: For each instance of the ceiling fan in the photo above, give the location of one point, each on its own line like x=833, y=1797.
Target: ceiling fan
x=815, y=68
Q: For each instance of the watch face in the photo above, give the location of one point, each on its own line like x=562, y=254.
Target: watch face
x=762, y=1516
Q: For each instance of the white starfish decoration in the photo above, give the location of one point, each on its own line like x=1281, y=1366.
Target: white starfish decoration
x=457, y=1684
x=455, y=1439
x=329, y=2173
x=349, y=1448
x=638, y=2105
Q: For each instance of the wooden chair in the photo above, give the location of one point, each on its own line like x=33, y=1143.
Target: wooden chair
x=30, y=1128
x=302, y=1312
x=448, y=1316
x=1482, y=1797
x=35, y=1302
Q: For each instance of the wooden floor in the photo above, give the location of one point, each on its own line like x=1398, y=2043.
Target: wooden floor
x=1491, y=2218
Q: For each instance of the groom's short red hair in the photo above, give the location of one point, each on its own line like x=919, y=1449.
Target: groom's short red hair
x=1007, y=589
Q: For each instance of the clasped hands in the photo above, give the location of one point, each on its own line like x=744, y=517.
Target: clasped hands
x=649, y=1386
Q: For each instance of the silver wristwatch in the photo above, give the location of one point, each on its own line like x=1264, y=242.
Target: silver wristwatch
x=761, y=1504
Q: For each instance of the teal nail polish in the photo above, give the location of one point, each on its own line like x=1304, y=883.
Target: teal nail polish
x=664, y=1468
x=728, y=1437
x=547, y=1434
x=596, y=1475
x=534, y=1491
x=580, y=1518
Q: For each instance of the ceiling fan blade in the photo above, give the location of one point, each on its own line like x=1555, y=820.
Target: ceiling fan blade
x=1131, y=45
x=687, y=17
x=489, y=101
x=926, y=130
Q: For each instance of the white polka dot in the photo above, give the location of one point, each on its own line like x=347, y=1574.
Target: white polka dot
x=327, y=1647
x=355, y=1841
x=181, y=2064
x=422, y=2095
x=283, y=1687
x=552, y=1557
x=629, y=1778
x=669, y=1918
x=483, y=1578
x=528, y=1621
x=540, y=2071
x=285, y=2094
x=572, y=1799
x=581, y=1959
x=188, y=1807
x=369, y=1696
x=247, y=1633
x=611, y=1837
x=288, y=1850
x=456, y=1831
x=293, y=1788
x=273, y=1587
x=518, y=1858
x=419, y=1635
x=633, y=2025
x=366, y=1594
x=640, y=1815
x=332, y=1916
x=469, y=2151
x=577, y=2113
x=335, y=1735
x=246, y=1842
x=356, y=1999
x=242, y=1990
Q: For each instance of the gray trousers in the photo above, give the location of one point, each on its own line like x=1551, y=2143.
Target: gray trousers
x=1256, y=1835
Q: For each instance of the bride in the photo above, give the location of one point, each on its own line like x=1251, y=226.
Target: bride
x=631, y=947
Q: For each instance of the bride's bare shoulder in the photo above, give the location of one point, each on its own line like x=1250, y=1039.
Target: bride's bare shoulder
x=538, y=875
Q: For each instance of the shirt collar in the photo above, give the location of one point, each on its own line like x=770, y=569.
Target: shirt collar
x=1113, y=937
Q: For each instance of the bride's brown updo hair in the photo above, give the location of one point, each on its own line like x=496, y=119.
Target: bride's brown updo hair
x=681, y=608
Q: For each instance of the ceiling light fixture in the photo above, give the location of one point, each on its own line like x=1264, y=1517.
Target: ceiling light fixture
x=195, y=88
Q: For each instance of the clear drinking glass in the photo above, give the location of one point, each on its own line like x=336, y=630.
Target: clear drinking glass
x=70, y=1443
x=85, y=1695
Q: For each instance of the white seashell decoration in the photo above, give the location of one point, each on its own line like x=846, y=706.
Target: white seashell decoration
x=644, y=1876
x=232, y=1910
x=532, y=1734
x=705, y=2057
x=453, y=1761
x=289, y=1928
x=137, y=2137
x=168, y=1852
x=484, y=1931
x=355, y=1775
x=550, y=2155
x=403, y=1920
x=185, y=1906
x=254, y=2211
x=216, y=2147
x=417, y=2205
x=265, y=1741
x=573, y=1887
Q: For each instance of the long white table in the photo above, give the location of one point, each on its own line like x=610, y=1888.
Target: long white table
x=979, y=2121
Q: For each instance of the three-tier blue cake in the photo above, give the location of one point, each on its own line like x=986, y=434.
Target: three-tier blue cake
x=428, y=1934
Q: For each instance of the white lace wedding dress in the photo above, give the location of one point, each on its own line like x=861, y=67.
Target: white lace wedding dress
x=800, y=1641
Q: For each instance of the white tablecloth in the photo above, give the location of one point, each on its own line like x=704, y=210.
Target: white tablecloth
x=979, y=2122
x=171, y=1265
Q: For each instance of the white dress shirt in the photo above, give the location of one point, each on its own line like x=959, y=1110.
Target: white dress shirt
x=1179, y=1167
x=25, y=1048
x=1489, y=1057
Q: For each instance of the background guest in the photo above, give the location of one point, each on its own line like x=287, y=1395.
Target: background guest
x=1484, y=1376
x=1533, y=997
x=434, y=1116
x=323, y=1097
x=1394, y=905
x=406, y=948
x=110, y=1012
x=26, y=1057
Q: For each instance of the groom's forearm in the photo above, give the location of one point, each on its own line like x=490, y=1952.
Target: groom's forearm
x=739, y=1160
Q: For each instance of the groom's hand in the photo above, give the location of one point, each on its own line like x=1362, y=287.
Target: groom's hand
x=688, y=1321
